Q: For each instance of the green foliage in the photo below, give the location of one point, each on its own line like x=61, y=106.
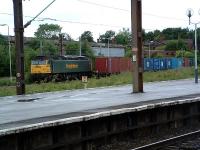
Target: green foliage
x=185, y=54
x=72, y=48
x=3, y=40
x=34, y=44
x=4, y=61
x=49, y=48
x=176, y=45
x=67, y=37
x=87, y=35
x=171, y=45
x=48, y=31
x=108, y=35
x=149, y=36
x=175, y=33
x=86, y=49
x=162, y=47
x=5, y=58
x=128, y=52
x=168, y=34
x=123, y=37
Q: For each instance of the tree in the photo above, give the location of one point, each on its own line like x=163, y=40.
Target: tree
x=149, y=36
x=123, y=37
x=4, y=61
x=49, y=48
x=3, y=40
x=176, y=45
x=182, y=53
x=175, y=33
x=67, y=37
x=34, y=43
x=87, y=50
x=48, y=31
x=87, y=35
x=72, y=48
x=108, y=35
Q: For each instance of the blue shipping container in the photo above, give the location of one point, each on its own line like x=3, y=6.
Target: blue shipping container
x=148, y=64
x=163, y=64
x=176, y=63
x=168, y=63
x=156, y=64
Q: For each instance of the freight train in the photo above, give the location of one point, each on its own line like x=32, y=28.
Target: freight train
x=74, y=67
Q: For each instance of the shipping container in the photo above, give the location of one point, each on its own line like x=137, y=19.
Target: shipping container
x=125, y=64
x=148, y=64
x=156, y=64
x=107, y=65
x=176, y=63
x=113, y=65
x=186, y=62
x=163, y=65
x=101, y=65
x=168, y=63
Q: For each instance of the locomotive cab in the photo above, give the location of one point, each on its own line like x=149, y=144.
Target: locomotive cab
x=40, y=65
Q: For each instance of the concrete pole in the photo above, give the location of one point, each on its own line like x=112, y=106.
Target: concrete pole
x=9, y=46
x=149, y=49
x=80, y=47
x=196, y=66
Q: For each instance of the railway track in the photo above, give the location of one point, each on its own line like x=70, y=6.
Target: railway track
x=189, y=141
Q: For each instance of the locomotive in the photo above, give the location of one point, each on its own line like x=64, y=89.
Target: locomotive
x=60, y=68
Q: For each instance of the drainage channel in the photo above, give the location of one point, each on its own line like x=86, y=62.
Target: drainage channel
x=28, y=100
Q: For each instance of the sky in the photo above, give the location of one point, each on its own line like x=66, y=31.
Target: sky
x=99, y=16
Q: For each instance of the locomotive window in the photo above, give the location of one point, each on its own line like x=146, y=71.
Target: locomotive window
x=38, y=62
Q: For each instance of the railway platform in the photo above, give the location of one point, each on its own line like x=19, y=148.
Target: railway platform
x=20, y=111
x=90, y=118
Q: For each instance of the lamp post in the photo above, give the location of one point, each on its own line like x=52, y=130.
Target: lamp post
x=150, y=48
x=9, y=50
x=80, y=48
x=189, y=14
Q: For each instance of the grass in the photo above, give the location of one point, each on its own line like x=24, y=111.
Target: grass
x=7, y=88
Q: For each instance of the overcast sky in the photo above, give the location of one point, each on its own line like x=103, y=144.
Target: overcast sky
x=98, y=16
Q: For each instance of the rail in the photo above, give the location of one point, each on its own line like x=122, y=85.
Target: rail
x=167, y=142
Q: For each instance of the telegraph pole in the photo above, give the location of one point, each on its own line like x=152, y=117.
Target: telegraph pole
x=136, y=25
x=19, y=46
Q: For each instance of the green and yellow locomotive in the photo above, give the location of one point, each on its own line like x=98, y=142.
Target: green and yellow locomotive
x=60, y=68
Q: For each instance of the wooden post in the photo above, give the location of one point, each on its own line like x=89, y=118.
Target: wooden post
x=136, y=21
x=19, y=46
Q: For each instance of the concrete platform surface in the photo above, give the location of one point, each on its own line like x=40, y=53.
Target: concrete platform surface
x=16, y=111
